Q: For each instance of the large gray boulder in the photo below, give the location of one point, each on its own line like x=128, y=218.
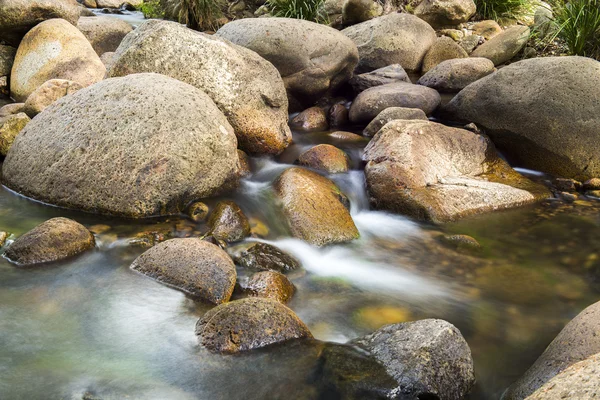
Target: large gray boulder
x=543, y=113
x=313, y=59
x=103, y=32
x=391, y=39
x=445, y=13
x=504, y=46
x=245, y=87
x=455, y=75
x=136, y=146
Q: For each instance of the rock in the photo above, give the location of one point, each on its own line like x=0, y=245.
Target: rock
x=427, y=358
x=567, y=184
x=443, y=13
x=391, y=74
x=487, y=29
x=104, y=33
x=592, y=184
x=85, y=12
x=325, y=157
x=461, y=242
x=47, y=94
x=266, y=257
x=391, y=39
x=107, y=58
x=270, y=285
x=248, y=324
x=311, y=119
x=543, y=20
x=53, y=49
x=455, y=75
x=576, y=342
x=138, y=146
x=470, y=42
x=10, y=109
x=371, y=102
x=191, y=265
x=433, y=172
x=3, y=237
x=356, y=11
x=315, y=208
x=390, y=114
x=443, y=49
x=7, y=57
x=245, y=167
x=347, y=137
x=89, y=3
x=338, y=116
x=228, y=222
x=53, y=240
x=10, y=126
x=198, y=211
x=455, y=34
x=117, y=3
x=245, y=87
x=313, y=59
x=534, y=106
x=504, y=46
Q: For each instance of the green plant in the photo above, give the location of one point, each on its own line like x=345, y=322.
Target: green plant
x=311, y=10
x=198, y=14
x=152, y=9
x=578, y=24
x=502, y=9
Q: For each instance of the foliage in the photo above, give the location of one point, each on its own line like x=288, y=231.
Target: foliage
x=152, y=9
x=578, y=24
x=311, y=10
x=198, y=14
x=503, y=9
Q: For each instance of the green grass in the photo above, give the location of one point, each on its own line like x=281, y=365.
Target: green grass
x=502, y=9
x=578, y=24
x=152, y=9
x=310, y=10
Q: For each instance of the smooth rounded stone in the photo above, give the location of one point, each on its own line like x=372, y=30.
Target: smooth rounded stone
x=391, y=74
x=89, y=3
x=191, y=265
x=390, y=114
x=427, y=358
x=469, y=43
x=391, y=39
x=371, y=102
x=54, y=49
x=7, y=57
x=443, y=49
x=137, y=146
x=504, y=46
x=47, y=94
x=53, y=240
x=455, y=75
x=245, y=167
x=198, y=211
x=531, y=108
x=10, y=109
x=245, y=87
x=103, y=32
x=443, y=13
x=271, y=285
x=228, y=222
x=356, y=11
x=325, y=157
x=10, y=126
x=313, y=59
x=309, y=120
x=248, y=324
x=314, y=207
x=592, y=184
x=487, y=29
x=348, y=137
x=578, y=340
x=437, y=173
x=266, y=257
x=338, y=116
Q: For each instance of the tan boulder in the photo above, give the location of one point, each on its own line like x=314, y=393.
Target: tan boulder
x=105, y=33
x=47, y=94
x=443, y=49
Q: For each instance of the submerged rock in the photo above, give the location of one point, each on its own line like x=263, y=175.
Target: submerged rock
x=455, y=75
x=266, y=257
x=53, y=240
x=504, y=46
x=390, y=114
x=443, y=49
x=10, y=127
x=382, y=76
x=443, y=13
x=311, y=119
x=47, y=94
x=228, y=222
x=325, y=157
x=271, y=285
x=104, y=33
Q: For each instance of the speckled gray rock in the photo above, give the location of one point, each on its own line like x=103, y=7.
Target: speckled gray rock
x=47, y=94
x=247, y=89
x=455, y=75
x=191, y=265
x=391, y=74
x=10, y=127
x=426, y=358
x=104, y=33
x=504, y=46
x=442, y=49
x=266, y=257
x=445, y=13
x=137, y=146
x=228, y=222
x=531, y=110
x=371, y=102
x=390, y=114
x=391, y=39
x=7, y=56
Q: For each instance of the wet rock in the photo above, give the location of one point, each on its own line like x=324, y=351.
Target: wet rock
x=433, y=172
x=53, y=240
x=7, y=57
x=391, y=39
x=348, y=137
x=567, y=184
x=314, y=207
x=10, y=127
x=592, y=184
x=149, y=126
x=371, y=102
x=228, y=222
x=47, y=94
x=248, y=324
x=191, y=265
x=11, y=109
x=504, y=46
x=325, y=157
x=271, y=285
x=442, y=49
x=245, y=87
x=487, y=29
x=245, y=168
x=455, y=75
x=461, y=242
x=338, y=116
x=311, y=119
x=313, y=59
x=443, y=13
x=265, y=257
x=382, y=76
x=390, y=114
x=427, y=358
x=53, y=49
x=356, y=11
x=198, y=211
x=104, y=33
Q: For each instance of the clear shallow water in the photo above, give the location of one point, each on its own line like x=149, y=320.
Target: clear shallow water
x=90, y=325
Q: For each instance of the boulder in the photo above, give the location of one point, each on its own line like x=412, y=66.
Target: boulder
x=371, y=102
x=7, y=57
x=47, y=94
x=314, y=207
x=245, y=87
x=428, y=358
x=10, y=126
x=444, y=13
x=53, y=240
x=356, y=11
x=442, y=49
x=326, y=158
x=103, y=32
x=271, y=285
x=541, y=113
x=138, y=146
x=455, y=75
x=54, y=49
x=487, y=29
x=313, y=59
x=433, y=172
x=391, y=74
x=12, y=108
x=248, y=324
x=338, y=116
x=504, y=46
x=107, y=58
x=390, y=114
x=266, y=257
x=228, y=222
x=311, y=119
x=191, y=265
x=391, y=39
